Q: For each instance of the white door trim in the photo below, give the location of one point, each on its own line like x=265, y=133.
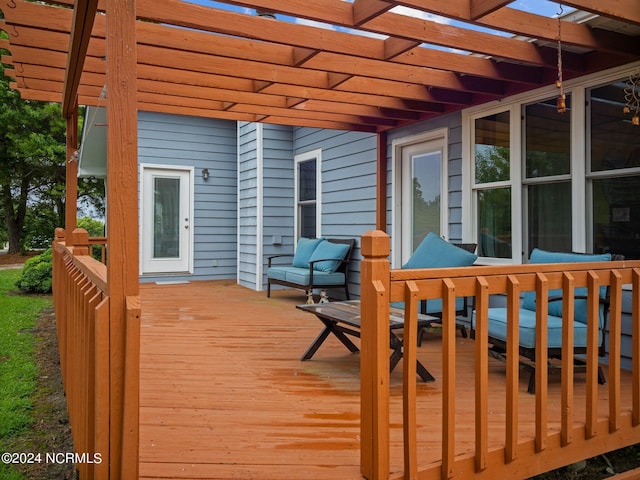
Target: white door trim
x=183, y=265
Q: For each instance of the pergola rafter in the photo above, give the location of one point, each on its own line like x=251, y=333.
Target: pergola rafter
x=364, y=67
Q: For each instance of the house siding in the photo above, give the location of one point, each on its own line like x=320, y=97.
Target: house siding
x=265, y=190
x=348, y=187
x=176, y=140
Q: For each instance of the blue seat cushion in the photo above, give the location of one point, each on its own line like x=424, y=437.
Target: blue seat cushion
x=304, y=250
x=498, y=328
x=327, y=249
x=555, y=307
x=300, y=276
x=434, y=252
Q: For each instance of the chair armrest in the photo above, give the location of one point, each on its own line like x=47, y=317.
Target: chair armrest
x=271, y=257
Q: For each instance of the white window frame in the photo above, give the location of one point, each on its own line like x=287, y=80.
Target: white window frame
x=302, y=157
x=580, y=177
x=440, y=135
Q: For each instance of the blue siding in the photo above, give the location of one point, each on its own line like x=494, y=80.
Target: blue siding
x=247, y=204
x=348, y=186
x=177, y=140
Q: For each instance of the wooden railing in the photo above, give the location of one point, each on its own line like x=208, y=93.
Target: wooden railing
x=98, y=248
x=87, y=356
x=519, y=455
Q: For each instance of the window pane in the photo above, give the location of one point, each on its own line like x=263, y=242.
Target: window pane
x=549, y=208
x=166, y=217
x=425, y=176
x=307, y=180
x=616, y=216
x=308, y=220
x=492, y=148
x=614, y=139
x=548, y=139
x=494, y=223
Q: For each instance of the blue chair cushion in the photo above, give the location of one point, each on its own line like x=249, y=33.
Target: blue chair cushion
x=301, y=276
x=327, y=249
x=304, y=250
x=527, y=328
x=555, y=307
x=434, y=252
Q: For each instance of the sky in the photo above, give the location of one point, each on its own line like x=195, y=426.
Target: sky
x=540, y=7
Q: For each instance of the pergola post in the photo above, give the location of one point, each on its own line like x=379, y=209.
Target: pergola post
x=71, y=179
x=122, y=225
x=381, y=182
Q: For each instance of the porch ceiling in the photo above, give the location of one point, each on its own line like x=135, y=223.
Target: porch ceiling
x=323, y=63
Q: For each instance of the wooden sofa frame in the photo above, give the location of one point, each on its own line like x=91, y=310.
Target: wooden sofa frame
x=314, y=283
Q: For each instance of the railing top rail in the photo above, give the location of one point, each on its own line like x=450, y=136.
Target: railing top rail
x=92, y=268
x=401, y=275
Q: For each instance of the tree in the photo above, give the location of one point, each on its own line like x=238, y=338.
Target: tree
x=32, y=170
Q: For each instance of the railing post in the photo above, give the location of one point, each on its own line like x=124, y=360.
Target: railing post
x=374, y=356
x=80, y=241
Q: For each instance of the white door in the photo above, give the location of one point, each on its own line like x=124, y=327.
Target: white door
x=166, y=220
x=423, y=193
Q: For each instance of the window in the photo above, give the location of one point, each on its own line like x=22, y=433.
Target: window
x=559, y=182
x=547, y=182
x=307, y=181
x=492, y=174
x=614, y=173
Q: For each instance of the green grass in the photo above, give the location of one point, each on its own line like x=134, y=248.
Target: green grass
x=18, y=371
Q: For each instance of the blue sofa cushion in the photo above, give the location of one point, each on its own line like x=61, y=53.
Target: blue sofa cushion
x=301, y=277
x=555, y=307
x=527, y=328
x=434, y=252
x=327, y=249
x=304, y=250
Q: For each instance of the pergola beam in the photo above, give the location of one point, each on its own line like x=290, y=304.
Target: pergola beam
x=84, y=14
x=480, y=8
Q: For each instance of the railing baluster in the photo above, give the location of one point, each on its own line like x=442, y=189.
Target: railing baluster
x=615, y=329
x=481, y=373
x=635, y=341
x=409, y=379
x=542, y=357
x=593, y=318
x=568, y=342
x=513, y=368
x=448, y=377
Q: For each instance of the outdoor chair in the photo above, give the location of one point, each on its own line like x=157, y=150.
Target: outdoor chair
x=497, y=319
x=317, y=263
x=435, y=252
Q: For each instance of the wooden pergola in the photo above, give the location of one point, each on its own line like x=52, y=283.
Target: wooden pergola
x=366, y=65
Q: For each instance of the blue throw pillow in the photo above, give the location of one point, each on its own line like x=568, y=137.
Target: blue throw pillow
x=434, y=252
x=327, y=249
x=304, y=250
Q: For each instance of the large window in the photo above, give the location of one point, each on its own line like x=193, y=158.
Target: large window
x=307, y=178
x=492, y=185
x=557, y=181
x=614, y=173
x=547, y=172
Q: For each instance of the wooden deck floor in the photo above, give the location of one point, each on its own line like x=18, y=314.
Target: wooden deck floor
x=224, y=394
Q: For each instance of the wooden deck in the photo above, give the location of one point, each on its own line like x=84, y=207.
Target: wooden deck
x=224, y=395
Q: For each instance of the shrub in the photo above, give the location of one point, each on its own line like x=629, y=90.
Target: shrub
x=36, y=274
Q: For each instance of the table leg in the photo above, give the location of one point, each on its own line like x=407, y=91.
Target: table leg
x=330, y=327
x=396, y=346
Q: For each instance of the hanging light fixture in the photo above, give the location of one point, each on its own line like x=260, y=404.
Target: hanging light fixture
x=632, y=97
x=561, y=103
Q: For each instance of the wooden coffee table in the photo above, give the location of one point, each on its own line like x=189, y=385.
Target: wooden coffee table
x=343, y=318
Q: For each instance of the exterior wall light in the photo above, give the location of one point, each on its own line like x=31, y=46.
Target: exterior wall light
x=205, y=173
